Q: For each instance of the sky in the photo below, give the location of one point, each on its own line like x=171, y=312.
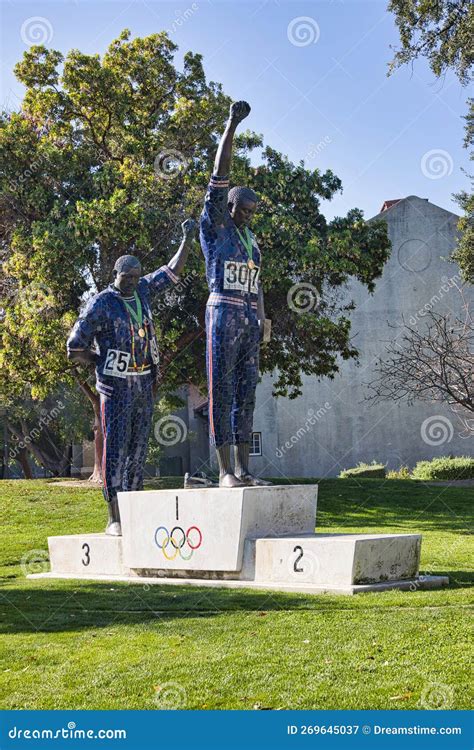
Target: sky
x=314, y=73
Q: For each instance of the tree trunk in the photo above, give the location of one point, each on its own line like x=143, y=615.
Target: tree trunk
x=22, y=459
x=43, y=448
x=94, y=399
x=67, y=471
x=96, y=475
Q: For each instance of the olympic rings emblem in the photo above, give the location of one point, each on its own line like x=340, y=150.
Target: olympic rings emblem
x=177, y=545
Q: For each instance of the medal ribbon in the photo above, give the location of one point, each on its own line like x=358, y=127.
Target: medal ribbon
x=138, y=318
x=246, y=241
x=134, y=360
x=138, y=315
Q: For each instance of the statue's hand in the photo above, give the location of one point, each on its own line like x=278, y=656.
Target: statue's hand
x=189, y=227
x=239, y=111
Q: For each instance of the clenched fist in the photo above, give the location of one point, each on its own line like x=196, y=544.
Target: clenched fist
x=189, y=228
x=239, y=111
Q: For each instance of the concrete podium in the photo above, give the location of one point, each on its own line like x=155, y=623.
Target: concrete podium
x=251, y=537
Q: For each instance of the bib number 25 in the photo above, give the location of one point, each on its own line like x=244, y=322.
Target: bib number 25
x=116, y=363
x=240, y=277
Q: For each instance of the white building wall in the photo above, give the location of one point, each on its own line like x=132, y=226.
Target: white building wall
x=330, y=426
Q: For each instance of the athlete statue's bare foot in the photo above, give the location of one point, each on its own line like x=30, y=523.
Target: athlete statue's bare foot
x=230, y=480
x=250, y=481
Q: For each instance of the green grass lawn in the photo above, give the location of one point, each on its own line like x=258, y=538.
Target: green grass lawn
x=70, y=644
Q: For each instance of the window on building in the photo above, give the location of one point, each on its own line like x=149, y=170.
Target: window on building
x=256, y=444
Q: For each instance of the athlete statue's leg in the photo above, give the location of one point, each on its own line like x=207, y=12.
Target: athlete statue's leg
x=115, y=414
x=245, y=385
x=221, y=350
x=141, y=408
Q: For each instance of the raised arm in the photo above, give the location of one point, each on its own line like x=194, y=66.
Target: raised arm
x=176, y=264
x=160, y=280
x=238, y=112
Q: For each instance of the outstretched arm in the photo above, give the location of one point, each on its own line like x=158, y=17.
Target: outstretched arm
x=238, y=112
x=160, y=280
x=176, y=264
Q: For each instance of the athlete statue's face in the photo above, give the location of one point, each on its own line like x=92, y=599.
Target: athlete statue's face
x=127, y=280
x=242, y=212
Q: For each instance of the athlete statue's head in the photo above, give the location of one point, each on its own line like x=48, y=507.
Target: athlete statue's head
x=127, y=272
x=242, y=205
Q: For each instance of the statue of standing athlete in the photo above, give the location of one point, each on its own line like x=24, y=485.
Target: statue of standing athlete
x=119, y=321
x=234, y=313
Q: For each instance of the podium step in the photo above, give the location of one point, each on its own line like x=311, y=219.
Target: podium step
x=206, y=529
x=252, y=537
x=87, y=554
x=338, y=559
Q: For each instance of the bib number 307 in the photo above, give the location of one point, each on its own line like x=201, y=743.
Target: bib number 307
x=240, y=277
x=116, y=363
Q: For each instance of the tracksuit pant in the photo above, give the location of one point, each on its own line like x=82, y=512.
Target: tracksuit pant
x=232, y=354
x=126, y=422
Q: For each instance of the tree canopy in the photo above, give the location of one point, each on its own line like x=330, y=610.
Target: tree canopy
x=107, y=156
x=442, y=31
x=439, y=30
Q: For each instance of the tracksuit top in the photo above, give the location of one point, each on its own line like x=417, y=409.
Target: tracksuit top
x=229, y=278
x=106, y=322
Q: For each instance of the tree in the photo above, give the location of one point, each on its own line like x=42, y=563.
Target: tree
x=434, y=363
x=464, y=252
x=442, y=31
x=106, y=157
x=46, y=429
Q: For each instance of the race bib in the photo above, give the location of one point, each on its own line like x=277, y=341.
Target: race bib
x=116, y=363
x=155, y=357
x=240, y=277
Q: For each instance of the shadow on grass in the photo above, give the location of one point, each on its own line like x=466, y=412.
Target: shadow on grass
x=382, y=504
x=67, y=608
x=102, y=604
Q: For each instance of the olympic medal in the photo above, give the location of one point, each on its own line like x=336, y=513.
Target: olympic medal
x=141, y=333
x=251, y=263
